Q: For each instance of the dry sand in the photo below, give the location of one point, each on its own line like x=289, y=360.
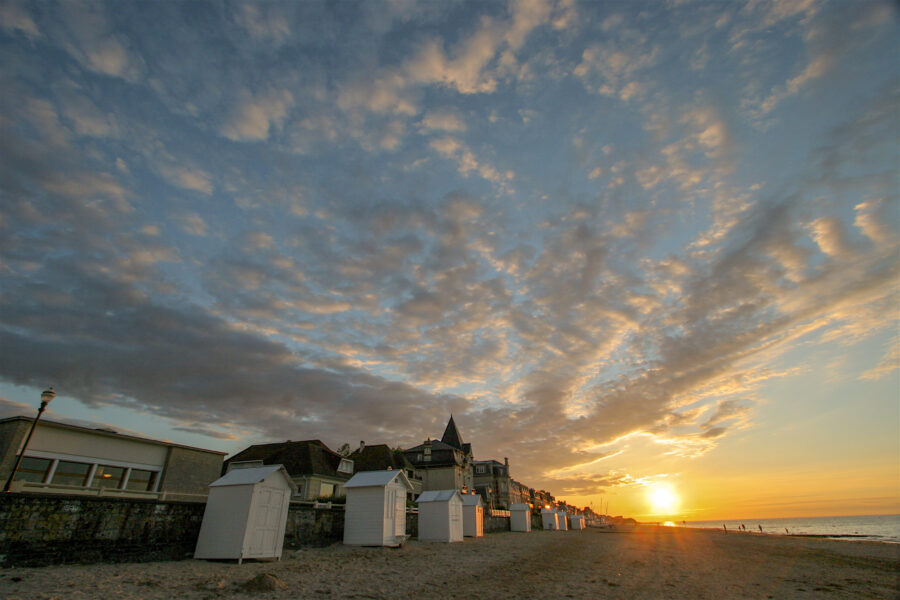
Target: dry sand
x=647, y=562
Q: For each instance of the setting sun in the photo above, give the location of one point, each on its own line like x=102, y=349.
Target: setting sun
x=663, y=499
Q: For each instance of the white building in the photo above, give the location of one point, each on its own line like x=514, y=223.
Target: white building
x=440, y=516
x=577, y=522
x=70, y=459
x=246, y=514
x=520, y=518
x=375, y=513
x=561, y=521
x=473, y=516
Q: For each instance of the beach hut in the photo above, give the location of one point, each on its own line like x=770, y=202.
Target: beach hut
x=375, y=513
x=473, y=516
x=561, y=521
x=548, y=519
x=440, y=516
x=577, y=522
x=246, y=513
x=520, y=517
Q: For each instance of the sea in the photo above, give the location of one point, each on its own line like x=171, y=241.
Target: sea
x=879, y=528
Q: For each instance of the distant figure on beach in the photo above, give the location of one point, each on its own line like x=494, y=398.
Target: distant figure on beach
x=760, y=528
x=786, y=531
x=743, y=527
x=724, y=528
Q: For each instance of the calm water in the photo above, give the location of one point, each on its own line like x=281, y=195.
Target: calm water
x=882, y=528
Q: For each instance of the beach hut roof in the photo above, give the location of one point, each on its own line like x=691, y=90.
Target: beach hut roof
x=437, y=496
x=472, y=500
x=252, y=475
x=519, y=507
x=377, y=479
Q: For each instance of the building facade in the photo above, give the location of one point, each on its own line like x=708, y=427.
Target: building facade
x=492, y=481
x=444, y=464
x=68, y=459
x=380, y=457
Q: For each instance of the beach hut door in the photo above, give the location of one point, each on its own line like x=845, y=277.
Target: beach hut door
x=268, y=507
x=400, y=512
x=390, y=514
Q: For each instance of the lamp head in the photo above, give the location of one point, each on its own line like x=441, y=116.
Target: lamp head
x=47, y=395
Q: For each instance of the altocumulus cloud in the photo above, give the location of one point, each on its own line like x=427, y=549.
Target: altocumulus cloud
x=285, y=221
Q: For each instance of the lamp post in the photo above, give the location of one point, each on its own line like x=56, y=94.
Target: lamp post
x=46, y=396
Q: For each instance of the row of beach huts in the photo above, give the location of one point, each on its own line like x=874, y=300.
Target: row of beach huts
x=246, y=513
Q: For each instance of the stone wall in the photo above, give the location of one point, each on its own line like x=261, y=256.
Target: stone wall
x=49, y=529
x=495, y=524
x=39, y=530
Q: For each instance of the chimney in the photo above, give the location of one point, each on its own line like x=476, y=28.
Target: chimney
x=506, y=462
x=362, y=446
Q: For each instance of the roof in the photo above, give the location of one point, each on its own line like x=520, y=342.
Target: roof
x=308, y=457
x=378, y=457
x=108, y=433
x=438, y=496
x=472, y=500
x=252, y=475
x=519, y=507
x=451, y=435
x=377, y=479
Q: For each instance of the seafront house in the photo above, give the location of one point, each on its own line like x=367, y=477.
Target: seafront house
x=444, y=464
x=493, y=483
x=316, y=470
x=380, y=457
x=68, y=459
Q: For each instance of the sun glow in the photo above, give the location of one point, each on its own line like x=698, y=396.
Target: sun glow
x=663, y=499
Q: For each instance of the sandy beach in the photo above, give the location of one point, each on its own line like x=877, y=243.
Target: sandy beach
x=647, y=562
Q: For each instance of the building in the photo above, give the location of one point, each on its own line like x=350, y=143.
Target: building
x=492, y=481
x=380, y=457
x=68, y=459
x=444, y=464
x=316, y=470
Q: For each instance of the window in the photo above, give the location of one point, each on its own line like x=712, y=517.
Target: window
x=108, y=477
x=33, y=469
x=479, y=468
x=346, y=466
x=141, y=480
x=326, y=490
x=71, y=473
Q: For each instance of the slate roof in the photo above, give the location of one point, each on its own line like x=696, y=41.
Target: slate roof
x=451, y=435
x=308, y=457
x=378, y=458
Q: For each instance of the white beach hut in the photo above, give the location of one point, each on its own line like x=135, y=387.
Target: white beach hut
x=577, y=522
x=440, y=516
x=473, y=516
x=520, y=517
x=246, y=514
x=375, y=513
x=548, y=519
x=561, y=521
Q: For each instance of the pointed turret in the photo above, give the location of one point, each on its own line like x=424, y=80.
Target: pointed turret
x=451, y=435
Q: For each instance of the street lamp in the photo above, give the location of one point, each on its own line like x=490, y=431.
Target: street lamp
x=46, y=396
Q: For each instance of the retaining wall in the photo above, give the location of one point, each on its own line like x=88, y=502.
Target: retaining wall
x=41, y=530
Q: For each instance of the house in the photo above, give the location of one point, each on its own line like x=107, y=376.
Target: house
x=70, y=459
x=375, y=514
x=380, y=457
x=316, y=470
x=246, y=514
x=440, y=516
x=444, y=464
x=492, y=481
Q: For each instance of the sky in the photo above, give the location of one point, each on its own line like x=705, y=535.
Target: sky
x=648, y=251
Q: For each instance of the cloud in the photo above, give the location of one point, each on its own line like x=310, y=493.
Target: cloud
x=193, y=224
x=94, y=43
x=188, y=178
x=255, y=117
x=447, y=120
x=15, y=17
